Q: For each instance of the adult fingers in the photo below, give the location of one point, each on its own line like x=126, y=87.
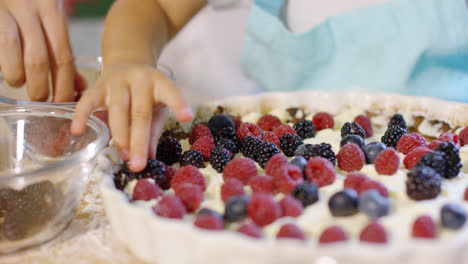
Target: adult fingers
x=160, y=116
x=35, y=54
x=55, y=28
x=11, y=58
x=141, y=114
x=118, y=109
x=166, y=92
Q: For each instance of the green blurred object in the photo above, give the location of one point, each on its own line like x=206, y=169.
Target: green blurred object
x=97, y=8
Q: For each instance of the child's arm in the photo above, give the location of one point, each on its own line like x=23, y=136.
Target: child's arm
x=131, y=88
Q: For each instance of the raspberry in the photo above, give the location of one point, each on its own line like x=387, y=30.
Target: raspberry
x=408, y=142
x=251, y=230
x=397, y=120
x=219, y=158
x=240, y=168
x=352, y=129
x=190, y=194
x=374, y=185
x=434, y=144
x=355, y=181
x=289, y=143
x=413, y=157
x=237, y=122
x=366, y=124
x=268, y=122
x=192, y=157
x=265, y=151
x=465, y=196
x=290, y=206
x=262, y=183
x=209, y=222
x=169, y=150
x=199, y=131
x=231, y=187
x=263, y=209
x=249, y=147
x=320, y=171
x=387, y=162
x=423, y=183
x=188, y=174
x=447, y=136
x=424, y=227
x=350, y=158
x=283, y=129
x=170, y=172
x=170, y=206
x=373, y=233
x=305, y=129
x=392, y=135
x=272, y=138
x=274, y=163
x=248, y=129
x=287, y=177
x=333, y=234
x=322, y=121
x=204, y=145
x=463, y=135
x=145, y=190
x=218, y=122
x=291, y=231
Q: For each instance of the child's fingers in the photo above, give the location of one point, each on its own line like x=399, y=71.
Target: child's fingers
x=160, y=115
x=91, y=100
x=166, y=92
x=35, y=54
x=61, y=58
x=118, y=108
x=11, y=58
x=141, y=114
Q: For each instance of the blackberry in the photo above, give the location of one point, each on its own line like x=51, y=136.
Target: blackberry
x=265, y=151
x=289, y=143
x=218, y=122
x=249, y=147
x=192, y=157
x=155, y=170
x=423, y=183
x=352, y=129
x=392, y=135
x=169, y=150
x=397, y=120
x=323, y=150
x=434, y=160
x=452, y=156
x=227, y=133
x=305, y=129
x=122, y=176
x=219, y=158
x=307, y=193
x=227, y=144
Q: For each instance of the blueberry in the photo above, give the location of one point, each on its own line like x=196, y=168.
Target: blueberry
x=299, y=161
x=307, y=193
x=344, y=203
x=372, y=150
x=301, y=149
x=236, y=208
x=452, y=216
x=207, y=211
x=218, y=122
x=373, y=204
x=352, y=139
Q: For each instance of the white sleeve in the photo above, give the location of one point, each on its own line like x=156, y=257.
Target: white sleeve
x=220, y=4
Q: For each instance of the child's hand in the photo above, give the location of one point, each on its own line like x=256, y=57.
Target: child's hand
x=136, y=96
x=35, y=43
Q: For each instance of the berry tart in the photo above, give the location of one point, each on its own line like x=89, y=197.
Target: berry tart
x=304, y=177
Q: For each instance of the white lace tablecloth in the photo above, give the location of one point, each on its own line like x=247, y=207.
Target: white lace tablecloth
x=88, y=239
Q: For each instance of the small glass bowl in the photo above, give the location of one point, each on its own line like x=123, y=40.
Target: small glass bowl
x=43, y=171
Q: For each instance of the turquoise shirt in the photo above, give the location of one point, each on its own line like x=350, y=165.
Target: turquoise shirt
x=413, y=47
